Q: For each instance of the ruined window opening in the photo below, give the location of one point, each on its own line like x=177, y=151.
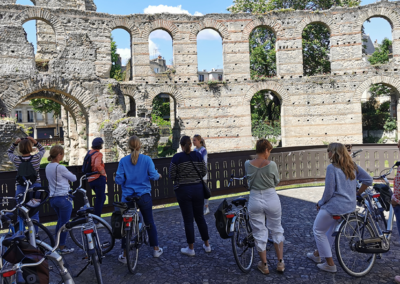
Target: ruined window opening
x=377, y=45
x=161, y=52
x=210, y=56
x=121, y=55
x=265, y=107
x=25, y=2
x=262, y=42
x=316, y=49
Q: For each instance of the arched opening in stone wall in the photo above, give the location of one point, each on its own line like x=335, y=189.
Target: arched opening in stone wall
x=316, y=49
x=379, y=106
x=121, y=55
x=164, y=114
x=209, y=56
x=265, y=109
x=377, y=41
x=43, y=39
x=161, y=52
x=262, y=53
x=25, y=2
x=130, y=105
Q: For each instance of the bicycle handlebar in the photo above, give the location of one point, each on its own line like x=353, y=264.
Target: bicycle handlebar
x=354, y=154
x=235, y=178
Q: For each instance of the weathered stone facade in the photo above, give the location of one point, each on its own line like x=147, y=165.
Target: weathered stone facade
x=315, y=109
x=9, y=131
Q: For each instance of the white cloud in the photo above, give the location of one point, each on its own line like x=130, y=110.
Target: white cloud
x=168, y=9
x=125, y=54
x=160, y=34
x=153, y=49
x=208, y=34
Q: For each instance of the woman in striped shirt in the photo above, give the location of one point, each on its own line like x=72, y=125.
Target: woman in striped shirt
x=189, y=192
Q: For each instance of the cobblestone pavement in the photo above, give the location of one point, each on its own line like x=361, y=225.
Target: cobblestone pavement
x=220, y=267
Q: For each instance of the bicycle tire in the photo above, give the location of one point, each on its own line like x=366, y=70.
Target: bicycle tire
x=241, y=225
x=97, y=268
x=48, y=239
x=105, y=235
x=132, y=249
x=348, y=247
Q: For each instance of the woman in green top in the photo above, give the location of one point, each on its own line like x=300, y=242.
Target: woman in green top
x=264, y=204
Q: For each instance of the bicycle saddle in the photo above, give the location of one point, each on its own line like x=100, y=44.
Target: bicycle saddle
x=239, y=201
x=85, y=211
x=133, y=198
x=13, y=239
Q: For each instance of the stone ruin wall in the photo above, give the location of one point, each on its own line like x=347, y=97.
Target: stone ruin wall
x=76, y=40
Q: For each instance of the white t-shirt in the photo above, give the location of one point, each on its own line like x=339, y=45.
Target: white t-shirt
x=59, y=185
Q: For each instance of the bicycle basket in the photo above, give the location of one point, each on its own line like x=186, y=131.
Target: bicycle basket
x=41, y=193
x=386, y=195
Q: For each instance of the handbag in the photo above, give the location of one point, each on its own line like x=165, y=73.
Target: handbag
x=206, y=189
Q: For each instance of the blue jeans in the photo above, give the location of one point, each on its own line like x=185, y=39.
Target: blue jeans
x=21, y=189
x=63, y=207
x=99, y=187
x=145, y=205
x=396, y=210
x=191, y=201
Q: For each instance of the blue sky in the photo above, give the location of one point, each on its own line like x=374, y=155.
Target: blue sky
x=209, y=42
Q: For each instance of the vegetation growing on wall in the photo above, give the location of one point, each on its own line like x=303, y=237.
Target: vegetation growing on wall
x=116, y=70
x=381, y=54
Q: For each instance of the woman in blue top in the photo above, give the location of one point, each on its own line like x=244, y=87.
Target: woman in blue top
x=339, y=198
x=200, y=147
x=134, y=174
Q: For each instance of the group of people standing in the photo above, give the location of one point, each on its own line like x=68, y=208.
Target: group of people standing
x=187, y=168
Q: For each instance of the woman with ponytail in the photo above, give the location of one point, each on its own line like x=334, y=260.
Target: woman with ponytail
x=339, y=198
x=186, y=171
x=134, y=174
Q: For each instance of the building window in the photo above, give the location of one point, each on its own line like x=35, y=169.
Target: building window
x=201, y=78
x=18, y=115
x=220, y=77
x=39, y=116
x=156, y=70
x=30, y=115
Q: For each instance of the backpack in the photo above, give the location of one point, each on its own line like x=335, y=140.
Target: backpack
x=117, y=225
x=87, y=163
x=27, y=171
x=221, y=222
x=386, y=195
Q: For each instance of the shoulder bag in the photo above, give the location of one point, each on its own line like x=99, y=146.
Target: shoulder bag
x=206, y=189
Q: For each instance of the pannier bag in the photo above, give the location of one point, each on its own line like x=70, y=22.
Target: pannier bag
x=26, y=253
x=386, y=195
x=221, y=222
x=117, y=225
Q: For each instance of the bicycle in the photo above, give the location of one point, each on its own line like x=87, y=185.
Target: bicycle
x=104, y=230
x=135, y=230
x=361, y=236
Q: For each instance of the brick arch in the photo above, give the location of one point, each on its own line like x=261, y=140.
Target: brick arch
x=279, y=90
x=274, y=25
x=170, y=90
x=378, y=12
x=125, y=24
x=389, y=81
x=209, y=24
x=165, y=25
x=22, y=89
x=45, y=16
x=318, y=18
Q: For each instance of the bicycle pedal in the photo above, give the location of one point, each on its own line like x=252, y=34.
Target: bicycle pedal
x=105, y=245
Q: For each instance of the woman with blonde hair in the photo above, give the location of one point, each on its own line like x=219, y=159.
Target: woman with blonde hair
x=340, y=197
x=59, y=177
x=134, y=174
x=200, y=147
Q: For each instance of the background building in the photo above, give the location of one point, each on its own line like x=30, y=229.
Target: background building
x=213, y=75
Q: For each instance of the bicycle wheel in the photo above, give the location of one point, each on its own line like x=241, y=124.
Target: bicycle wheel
x=107, y=241
x=354, y=263
x=43, y=234
x=132, y=248
x=97, y=269
x=242, y=247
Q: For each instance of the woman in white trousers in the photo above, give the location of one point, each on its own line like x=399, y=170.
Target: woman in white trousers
x=264, y=205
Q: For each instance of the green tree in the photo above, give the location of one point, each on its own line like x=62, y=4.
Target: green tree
x=262, y=53
x=46, y=106
x=116, y=70
x=161, y=107
x=381, y=54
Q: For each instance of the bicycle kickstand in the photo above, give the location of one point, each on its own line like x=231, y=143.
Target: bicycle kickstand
x=86, y=266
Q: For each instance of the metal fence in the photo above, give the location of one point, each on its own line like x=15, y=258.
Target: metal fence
x=296, y=165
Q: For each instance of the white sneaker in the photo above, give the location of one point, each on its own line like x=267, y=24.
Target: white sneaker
x=121, y=258
x=158, y=253
x=326, y=267
x=188, y=251
x=316, y=259
x=206, y=210
x=207, y=249
x=99, y=225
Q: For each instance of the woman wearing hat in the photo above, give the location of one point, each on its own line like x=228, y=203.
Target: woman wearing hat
x=98, y=181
